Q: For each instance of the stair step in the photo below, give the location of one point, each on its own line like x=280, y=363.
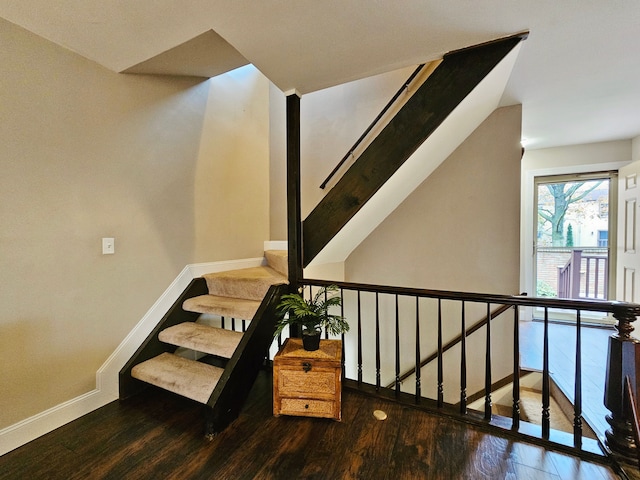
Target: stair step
x=248, y=283
x=188, y=378
x=278, y=260
x=224, y=306
x=531, y=410
x=202, y=338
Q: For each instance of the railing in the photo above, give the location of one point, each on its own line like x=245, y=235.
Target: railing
x=392, y=326
x=386, y=108
x=594, y=284
x=456, y=341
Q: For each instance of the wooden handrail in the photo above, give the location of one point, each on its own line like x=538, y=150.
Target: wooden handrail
x=610, y=306
x=373, y=124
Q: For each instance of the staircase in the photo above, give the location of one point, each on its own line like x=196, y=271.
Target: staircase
x=210, y=365
x=530, y=396
x=460, y=93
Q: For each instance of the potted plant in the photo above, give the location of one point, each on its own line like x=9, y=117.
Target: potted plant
x=311, y=315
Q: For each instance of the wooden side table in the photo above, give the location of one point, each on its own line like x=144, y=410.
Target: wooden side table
x=308, y=384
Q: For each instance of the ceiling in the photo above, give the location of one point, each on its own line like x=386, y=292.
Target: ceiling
x=576, y=75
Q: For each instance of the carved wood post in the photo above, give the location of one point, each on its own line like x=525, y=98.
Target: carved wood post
x=622, y=360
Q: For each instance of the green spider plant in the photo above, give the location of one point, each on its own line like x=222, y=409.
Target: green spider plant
x=312, y=314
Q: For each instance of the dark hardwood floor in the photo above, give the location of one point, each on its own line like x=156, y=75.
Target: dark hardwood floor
x=157, y=435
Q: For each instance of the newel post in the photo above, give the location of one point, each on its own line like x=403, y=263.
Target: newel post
x=294, y=216
x=294, y=220
x=622, y=361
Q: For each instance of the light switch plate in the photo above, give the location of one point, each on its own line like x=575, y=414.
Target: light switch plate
x=108, y=246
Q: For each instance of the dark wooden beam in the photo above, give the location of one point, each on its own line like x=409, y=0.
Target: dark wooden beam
x=458, y=74
x=294, y=216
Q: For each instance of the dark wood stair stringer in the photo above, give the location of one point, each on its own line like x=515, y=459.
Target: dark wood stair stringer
x=152, y=346
x=233, y=388
x=449, y=84
x=240, y=371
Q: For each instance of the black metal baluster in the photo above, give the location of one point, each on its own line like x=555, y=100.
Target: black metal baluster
x=359, y=342
x=487, y=368
x=233, y=324
x=326, y=332
x=545, y=377
x=515, y=415
x=418, y=381
x=463, y=362
x=244, y=326
x=440, y=374
x=377, y=344
x=342, y=314
x=397, y=349
x=221, y=322
x=577, y=408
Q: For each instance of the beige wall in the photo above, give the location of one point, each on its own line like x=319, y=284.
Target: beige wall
x=331, y=121
x=635, y=148
x=460, y=229
x=232, y=174
x=87, y=153
x=277, y=164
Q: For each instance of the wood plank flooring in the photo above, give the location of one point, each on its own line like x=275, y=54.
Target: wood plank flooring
x=157, y=435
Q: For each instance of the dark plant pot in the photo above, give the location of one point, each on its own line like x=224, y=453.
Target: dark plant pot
x=311, y=341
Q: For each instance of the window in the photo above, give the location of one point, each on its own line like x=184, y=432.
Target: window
x=603, y=238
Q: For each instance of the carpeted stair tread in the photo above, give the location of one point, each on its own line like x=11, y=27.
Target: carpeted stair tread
x=191, y=379
x=249, y=283
x=224, y=306
x=531, y=411
x=202, y=338
x=278, y=260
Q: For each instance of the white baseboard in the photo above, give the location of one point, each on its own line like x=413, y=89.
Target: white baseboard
x=106, y=390
x=276, y=245
x=33, y=427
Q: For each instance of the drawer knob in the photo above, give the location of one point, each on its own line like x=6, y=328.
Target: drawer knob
x=306, y=366
x=306, y=406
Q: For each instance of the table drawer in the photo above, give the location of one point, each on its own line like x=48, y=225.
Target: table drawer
x=317, y=381
x=310, y=407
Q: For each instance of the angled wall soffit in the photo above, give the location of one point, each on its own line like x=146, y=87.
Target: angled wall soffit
x=206, y=55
